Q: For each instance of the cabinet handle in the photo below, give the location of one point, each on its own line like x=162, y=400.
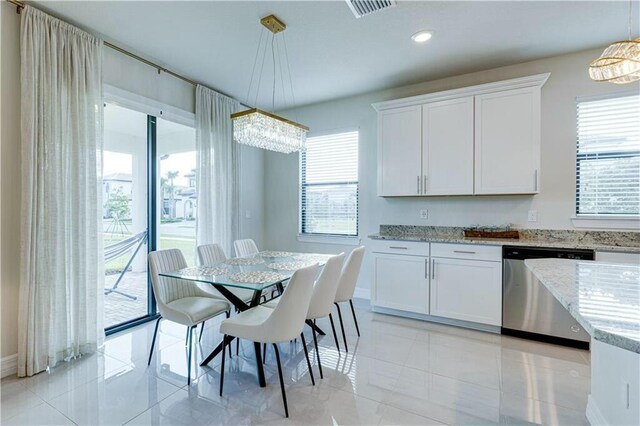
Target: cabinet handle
x=418, y=184
x=535, y=180
x=628, y=397
x=464, y=252
x=398, y=247
x=433, y=269
x=426, y=269
x=424, y=188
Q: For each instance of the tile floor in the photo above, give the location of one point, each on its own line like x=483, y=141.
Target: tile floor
x=399, y=372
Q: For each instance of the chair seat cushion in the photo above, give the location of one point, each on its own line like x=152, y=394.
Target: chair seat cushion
x=271, y=303
x=244, y=325
x=194, y=310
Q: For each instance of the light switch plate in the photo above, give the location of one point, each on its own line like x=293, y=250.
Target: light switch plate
x=247, y=214
x=424, y=214
x=532, y=216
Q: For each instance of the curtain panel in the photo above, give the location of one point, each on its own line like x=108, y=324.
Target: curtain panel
x=218, y=170
x=61, y=273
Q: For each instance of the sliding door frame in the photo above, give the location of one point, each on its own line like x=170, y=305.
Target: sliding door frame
x=153, y=110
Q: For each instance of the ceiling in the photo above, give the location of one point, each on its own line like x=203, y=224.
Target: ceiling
x=334, y=55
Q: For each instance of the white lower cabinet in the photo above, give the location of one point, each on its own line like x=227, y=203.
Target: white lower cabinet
x=468, y=290
x=401, y=282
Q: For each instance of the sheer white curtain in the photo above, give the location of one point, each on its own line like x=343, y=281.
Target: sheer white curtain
x=218, y=169
x=61, y=276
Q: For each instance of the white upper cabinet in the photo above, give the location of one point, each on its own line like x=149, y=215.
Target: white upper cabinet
x=447, y=147
x=400, y=151
x=507, y=141
x=478, y=140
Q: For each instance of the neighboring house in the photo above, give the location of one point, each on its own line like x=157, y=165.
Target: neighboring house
x=184, y=198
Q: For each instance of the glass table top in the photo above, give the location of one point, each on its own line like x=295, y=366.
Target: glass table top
x=257, y=272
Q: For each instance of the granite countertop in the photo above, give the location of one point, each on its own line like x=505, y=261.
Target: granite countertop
x=594, y=240
x=603, y=297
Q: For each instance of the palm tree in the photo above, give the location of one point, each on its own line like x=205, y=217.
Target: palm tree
x=169, y=189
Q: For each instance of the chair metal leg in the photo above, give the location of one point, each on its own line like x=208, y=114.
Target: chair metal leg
x=335, y=335
x=224, y=349
x=315, y=343
x=306, y=355
x=190, y=343
x=201, y=332
x=284, y=394
x=344, y=336
x=237, y=346
x=264, y=353
x=153, y=341
x=355, y=320
x=186, y=338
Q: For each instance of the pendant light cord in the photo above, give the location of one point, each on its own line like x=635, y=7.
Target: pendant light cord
x=255, y=63
x=273, y=59
x=630, y=10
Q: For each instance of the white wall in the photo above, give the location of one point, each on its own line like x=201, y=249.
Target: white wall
x=119, y=71
x=555, y=204
x=9, y=177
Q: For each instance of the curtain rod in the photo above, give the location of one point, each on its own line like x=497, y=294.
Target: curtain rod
x=20, y=5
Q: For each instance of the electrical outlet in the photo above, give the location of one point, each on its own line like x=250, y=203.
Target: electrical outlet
x=424, y=214
x=533, y=216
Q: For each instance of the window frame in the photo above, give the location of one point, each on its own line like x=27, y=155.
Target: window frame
x=601, y=220
x=347, y=239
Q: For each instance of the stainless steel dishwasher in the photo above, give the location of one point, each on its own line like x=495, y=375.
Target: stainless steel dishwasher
x=529, y=310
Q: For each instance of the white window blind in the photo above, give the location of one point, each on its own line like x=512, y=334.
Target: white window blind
x=608, y=157
x=329, y=185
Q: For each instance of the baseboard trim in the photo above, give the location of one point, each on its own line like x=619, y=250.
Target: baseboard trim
x=431, y=318
x=9, y=365
x=362, y=293
x=594, y=415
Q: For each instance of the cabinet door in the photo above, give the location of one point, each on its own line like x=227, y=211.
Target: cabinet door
x=447, y=150
x=507, y=142
x=400, y=151
x=401, y=282
x=468, y=290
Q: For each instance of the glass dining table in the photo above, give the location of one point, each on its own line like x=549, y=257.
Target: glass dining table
x=259, y=273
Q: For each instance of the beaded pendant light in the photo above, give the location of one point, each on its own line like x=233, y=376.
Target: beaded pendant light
x=620, y=62
x=262, y=129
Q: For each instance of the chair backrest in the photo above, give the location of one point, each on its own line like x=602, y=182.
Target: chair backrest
x=349, y=275
x=209, y=254
x=287, y=319
x=325, y=288
x=245, y=248
x=165, y=289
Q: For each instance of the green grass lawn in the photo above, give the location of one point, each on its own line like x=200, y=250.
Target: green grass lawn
x=185, y=244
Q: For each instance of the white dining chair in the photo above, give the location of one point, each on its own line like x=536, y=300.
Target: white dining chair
x=180, y=301
x=322, y=299
x=210, y=254
x=347, y=286
x=245, y=248
x=281, y=324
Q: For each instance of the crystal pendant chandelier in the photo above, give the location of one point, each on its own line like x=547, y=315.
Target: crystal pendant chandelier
x=620, y=62
x=262, y=129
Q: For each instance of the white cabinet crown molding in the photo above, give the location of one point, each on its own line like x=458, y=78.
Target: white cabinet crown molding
x=537, y=80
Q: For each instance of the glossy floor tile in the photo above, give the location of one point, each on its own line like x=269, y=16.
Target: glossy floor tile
x=398, y=372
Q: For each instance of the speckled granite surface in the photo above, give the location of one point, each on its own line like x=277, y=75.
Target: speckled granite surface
x=597, y=240
x=603, y=297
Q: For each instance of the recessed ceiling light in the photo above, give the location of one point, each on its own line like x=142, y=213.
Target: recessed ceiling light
x=422, y=36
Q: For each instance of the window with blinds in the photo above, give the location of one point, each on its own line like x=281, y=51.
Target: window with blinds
x=329, y=185
x=608, y=157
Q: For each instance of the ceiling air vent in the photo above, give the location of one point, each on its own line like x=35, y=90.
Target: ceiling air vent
x=362, y=8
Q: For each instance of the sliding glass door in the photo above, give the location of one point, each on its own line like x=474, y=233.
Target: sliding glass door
x=176, y=151
x=149, y=203
x=125, y=215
